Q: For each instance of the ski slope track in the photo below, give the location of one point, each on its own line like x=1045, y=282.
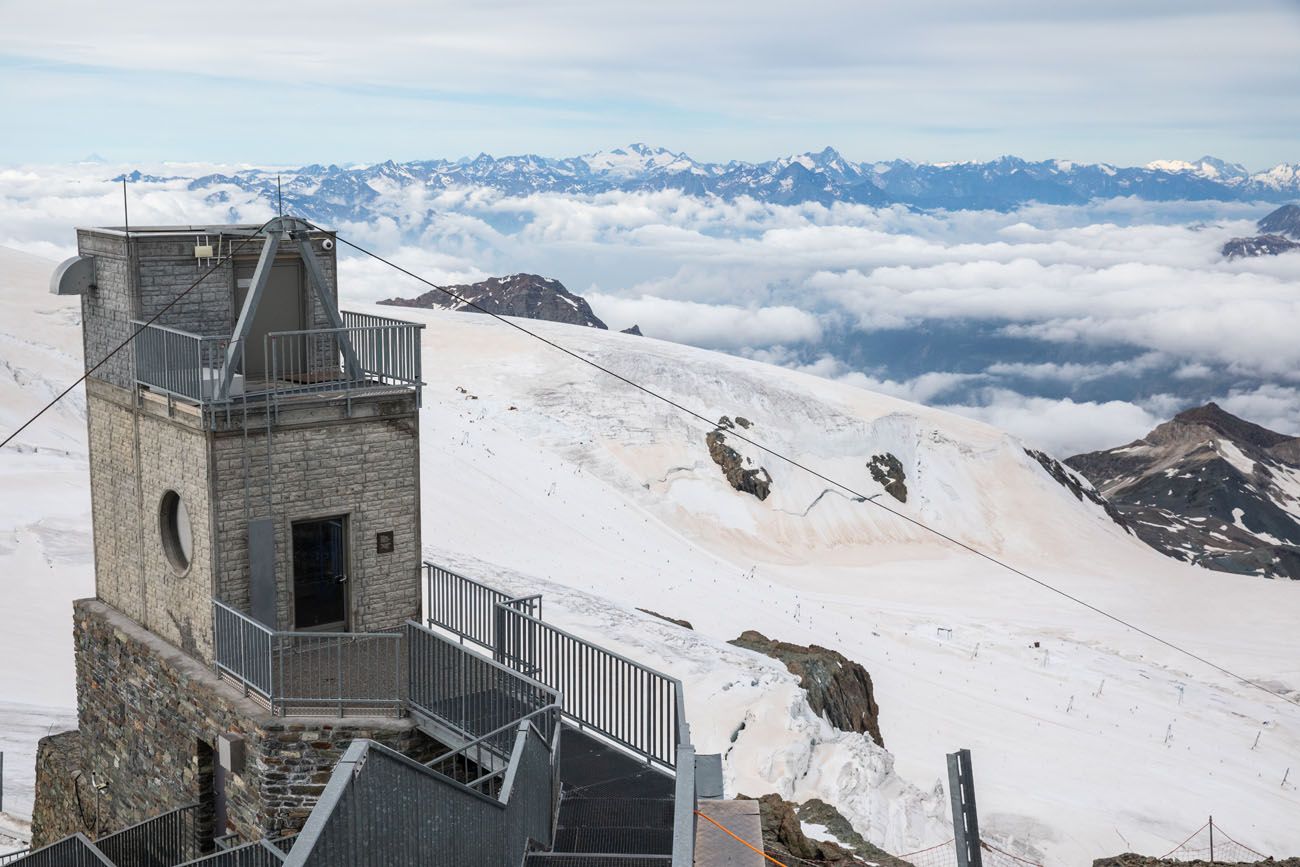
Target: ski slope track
x=541, y=473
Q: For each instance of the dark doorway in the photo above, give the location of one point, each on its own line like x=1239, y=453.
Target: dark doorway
x=320, y=574
x=211, y=817
x=281, y=308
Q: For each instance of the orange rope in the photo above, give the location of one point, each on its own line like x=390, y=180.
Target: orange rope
x=993, y=848
x=927, y=849
x=1184, y=843
x=727, y=831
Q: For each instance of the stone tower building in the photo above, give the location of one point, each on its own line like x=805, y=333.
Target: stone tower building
x=254, y=466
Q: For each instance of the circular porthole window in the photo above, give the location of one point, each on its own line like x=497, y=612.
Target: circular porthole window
x=177, y=536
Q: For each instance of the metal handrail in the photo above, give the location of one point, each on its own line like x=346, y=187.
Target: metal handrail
x=466, y=608
x=612, y=694
x=292, y=671
x=160, y=841
x=490, y=744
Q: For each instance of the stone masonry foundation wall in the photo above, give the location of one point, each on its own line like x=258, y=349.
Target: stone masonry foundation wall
x=144, y=707
x=65, y=802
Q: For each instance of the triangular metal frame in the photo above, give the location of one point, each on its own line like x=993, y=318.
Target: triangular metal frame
x=276, y=232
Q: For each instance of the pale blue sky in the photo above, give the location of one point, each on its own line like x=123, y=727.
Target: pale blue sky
x=333, y=81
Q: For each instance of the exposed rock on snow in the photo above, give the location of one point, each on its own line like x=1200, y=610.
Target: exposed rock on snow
x=1279, y=232
x=784, y=835
x=684, y=624
x=838, y=688
x=635, y=330
x=1075, y=484
x=887, y=470
x=750, y=481
x=529, y=296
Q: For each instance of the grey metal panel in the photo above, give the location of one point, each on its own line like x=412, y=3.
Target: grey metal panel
x=245, y=322
x=708, y=775
x=75, y=276
x=684, y=800
x=965, y=822
x=261, y=571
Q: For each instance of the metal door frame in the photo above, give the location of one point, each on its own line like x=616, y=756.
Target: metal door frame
x=346, y=624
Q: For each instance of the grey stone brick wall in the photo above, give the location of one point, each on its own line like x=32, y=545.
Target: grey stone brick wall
x=137, y=454
x=144, y=708
x=323, y=463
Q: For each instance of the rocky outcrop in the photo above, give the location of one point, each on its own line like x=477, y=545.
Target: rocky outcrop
x=887, y=470
x=635, y=330
x=1209, y=488
x=784, y=837
x=1259, y=245
x=838, y=688
x=739, y=471
x=529, y=296
x=1279, y=232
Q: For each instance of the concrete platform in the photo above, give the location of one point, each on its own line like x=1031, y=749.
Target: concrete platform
x=715, y=848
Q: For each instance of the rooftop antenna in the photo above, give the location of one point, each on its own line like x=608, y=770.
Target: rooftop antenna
x=279, y=195
x=126, y=211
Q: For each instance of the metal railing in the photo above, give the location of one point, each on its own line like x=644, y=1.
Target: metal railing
x=484, y=761
x=177, y=362
x=314, y=361
x=73, y=851
x=620, y=698
x=185, y=365
x=260, y=853
x=162, y=841
x=310, y=673
x=466, y=693
x=380, y=807
x=467, y=608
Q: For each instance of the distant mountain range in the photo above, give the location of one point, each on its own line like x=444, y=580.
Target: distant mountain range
x=825, y=177
x=1209, y=488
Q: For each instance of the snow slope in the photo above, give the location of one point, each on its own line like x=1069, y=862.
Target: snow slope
x=548, y=475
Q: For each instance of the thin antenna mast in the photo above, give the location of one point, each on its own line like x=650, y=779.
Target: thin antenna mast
x=279, y=195
x=126, y=211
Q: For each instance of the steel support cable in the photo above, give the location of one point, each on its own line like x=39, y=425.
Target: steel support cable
x=795, y=463
x=134, y=334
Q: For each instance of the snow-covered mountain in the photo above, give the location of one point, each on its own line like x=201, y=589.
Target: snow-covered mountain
x=1209, y=488
x=1279, y=232
x=825, y=177
x=540, y=472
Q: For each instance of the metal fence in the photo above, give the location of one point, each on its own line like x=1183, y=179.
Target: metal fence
x=311, y=673
x=622, y=699
x=316, y=360
x=467, y=608
x=177, y=362
x=382, y=808
x=260, y=853
x=465, y=692
x=74, y=851
x=162, y=841
x=483, y=763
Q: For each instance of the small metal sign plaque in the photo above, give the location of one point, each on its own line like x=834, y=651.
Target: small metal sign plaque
x=384, y=542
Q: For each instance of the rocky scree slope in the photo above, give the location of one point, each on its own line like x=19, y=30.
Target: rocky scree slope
x=1208, y=488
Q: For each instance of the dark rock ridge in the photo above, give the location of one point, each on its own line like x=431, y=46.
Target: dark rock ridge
x=1279, y=232
x=838, y=688
x=1284, y=221
x=784, y=838
x=684, y=624
x=1209, y=488
x=887, y=470
x=1259, y=245
x=635, y=329
x=528, y=296
x=750, y=481
x=1075, y=486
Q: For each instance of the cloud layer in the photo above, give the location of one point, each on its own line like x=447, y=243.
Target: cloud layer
x=1075, y=327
